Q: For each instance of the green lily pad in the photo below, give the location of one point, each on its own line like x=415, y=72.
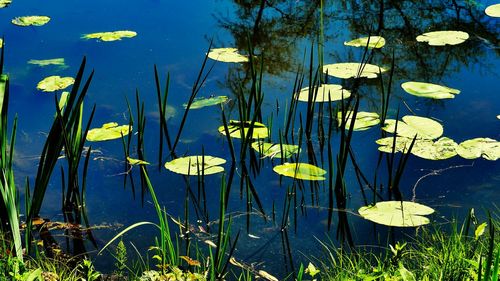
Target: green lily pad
x=397, y=213
x=108, y=131
x=5, y=3
x=493, y=10
x=428, y=90
x=234, y=127
x=326, y=92
x=110, y=35
x=364, y=120
x=202, y=102
x=370, y=42
x=441, y=38
x=54, y=83
x=31, y=20
x=498, y=116
x=275, y=150
x=227, y=55
x=194, y=165
x=57, y=61
x=441, y=149
x=402, y=144
x=424, y=128
x=303, y=171
x=487, y=148
x=351, y=70
x=133, y=161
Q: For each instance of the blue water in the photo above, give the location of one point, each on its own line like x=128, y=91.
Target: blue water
x=175, y=37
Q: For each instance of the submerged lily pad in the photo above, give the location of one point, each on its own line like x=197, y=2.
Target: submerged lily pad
x=397, y=213
x=370, y=42
x=428, y=90
x=108, y=131
x=441, y=38
x=54, y=83
x=424, y=128
x=5, y=3
x=487, y=148
x=227, y=55
x=31, y=20
x=275, y=150
x=364, y=120
x=303, y=171
x=352, y=69
x=196, y=165
x=57, y=61
x=110, y=35
x=133, y=161
x=234, y=127
x=202, y=102
x=493, y=10
x=325, y=93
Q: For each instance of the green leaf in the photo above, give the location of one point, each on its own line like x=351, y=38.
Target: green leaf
x=30, y=20
x=424, y=128
x=312, y=270
x=397, y=213
x=325, y=93
x=406, y=275
x=370, y=42
x=133, y=161
x=227, y=55
x=428, y=90
x=56, y=61
x=202, y=102
x=303, y=171
x=364, y=120
x=441, y=38
x=480, y=230
x=259, y=131
x=110, y=35
x=487, y=148
x=352, y=69
x=196, y=165
x=402, y=144
x=493, y=10
x=441, y=149
x=54, y=83
x=275, y=150
x=108, y=131
x=3, y=4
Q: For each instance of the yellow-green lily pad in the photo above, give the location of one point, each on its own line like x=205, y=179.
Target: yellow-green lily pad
x=428, y=90
x=196, y=165
x=133, y=161
x=353, y=69
x=227, y=55
x=325, y=93
x=5, y=3
x=234, y=127
x=441, y=38
x=397, y=213
x=487, y=148
x=54, y=83
x=30, y=20
x=424, y=128
x=385, y=144
x=203, y=102
x=493, y=10
x=108, y=131
x=370, y=42
x=57, y=61
x=275, y=150
x=110, y=35
x=364, y=120
x=441, y=149
x=303, y=171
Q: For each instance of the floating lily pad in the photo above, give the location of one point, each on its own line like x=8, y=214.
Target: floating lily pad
x=493, y=10
x=364, y=120
x=108, y=131
x=194, y=165
x=397, y=213
x=31, y=20
x=428, y=90
x=402, y=144
x=227, y=55
x=487, y=148
x=441, y=149
x=54, y=83
x=133, y=161
x=370, y=42
x=441, y=38
x=202, y=102
x=303, y=171
x=351, y=69
x=326, y=92
x=424, y=128
x=110, y=35
x=57, y=61
x=234, y=127
x=498, y=116
x=275, y=150
x=5, y=3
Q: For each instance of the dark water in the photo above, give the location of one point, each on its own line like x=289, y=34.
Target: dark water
x=175, y=37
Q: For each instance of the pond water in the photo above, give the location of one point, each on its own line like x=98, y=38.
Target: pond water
x=175, y=35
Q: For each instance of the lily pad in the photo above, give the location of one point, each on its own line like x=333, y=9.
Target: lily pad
x=227, y=55
x=352, y=69
x=110, y=35
x=194, y=165
x=275, y=150
x=57, y=61
x=364, y=120
x=133, y=161
x=424, y=128
x=441, y=38
x=402, y=144
x=202, y=102
x=493, y=10
x=5, y=3
x=397, y=213
x=54, y=83
x=303, y=171
x=487, y=148
x=325, y=93
x=234, y=127
x=108, y=131
x=31, y=20
x=441, y=149
x=428, y=90
x=370, y=42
